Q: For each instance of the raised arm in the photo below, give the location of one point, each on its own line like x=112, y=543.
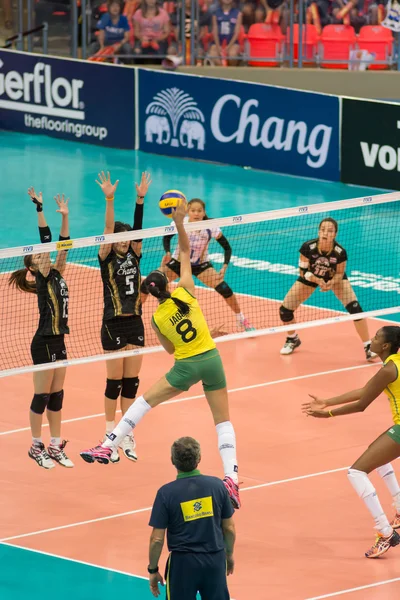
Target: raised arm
x=63, y=209
x=186, y=279
x=141, y=191
x=108, y=189
x=44, y=262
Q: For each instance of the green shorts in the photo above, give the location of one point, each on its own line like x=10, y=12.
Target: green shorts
x=206, y=367
x=394, y=433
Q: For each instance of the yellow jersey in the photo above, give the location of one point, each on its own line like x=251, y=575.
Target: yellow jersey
x=188, y=333
x=393, y=389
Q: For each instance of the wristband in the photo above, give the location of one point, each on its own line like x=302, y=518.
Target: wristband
x=45, y=234
x=152, y=571
x=110, y=199
x=63, y=239
x=330, y=413
x=140, y=197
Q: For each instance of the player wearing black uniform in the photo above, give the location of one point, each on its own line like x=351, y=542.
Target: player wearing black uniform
x=122, y=327
x=322, y=264
x=48, y=342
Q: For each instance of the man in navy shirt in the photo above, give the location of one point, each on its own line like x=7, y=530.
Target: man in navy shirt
x=196, y=512
x=113, y=29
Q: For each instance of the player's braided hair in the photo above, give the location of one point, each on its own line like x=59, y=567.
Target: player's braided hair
x=156, y=285
x=391, y=335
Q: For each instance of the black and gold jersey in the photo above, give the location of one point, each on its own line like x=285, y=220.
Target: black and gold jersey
x=323, y=264
x=52, y=292
x=121, y=284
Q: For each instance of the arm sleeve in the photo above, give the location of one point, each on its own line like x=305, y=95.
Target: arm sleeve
x=159, y=513
x=342, y=256
x=305, y=250
x=45, y=234
x=222, y=241
x=167, y=242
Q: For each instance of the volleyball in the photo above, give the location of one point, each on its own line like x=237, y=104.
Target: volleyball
x=170, y=200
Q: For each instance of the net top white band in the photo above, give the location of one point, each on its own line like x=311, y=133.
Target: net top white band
x=285, y=213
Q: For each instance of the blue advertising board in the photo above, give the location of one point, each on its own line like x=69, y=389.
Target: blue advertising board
x=67, y=99
x=232, y=122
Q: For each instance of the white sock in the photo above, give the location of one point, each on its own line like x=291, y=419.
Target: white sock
x=292, y=335
x=227, y=449
x=131, y=418
x=389, y=477
x=366, y=491
x=110, y=426
x=55, y=441
x=37, y=441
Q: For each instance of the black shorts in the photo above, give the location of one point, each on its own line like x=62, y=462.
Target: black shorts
x=175, y=266
x=188, y=573
x=311, y=283
x=47, y=349
x=118, y=332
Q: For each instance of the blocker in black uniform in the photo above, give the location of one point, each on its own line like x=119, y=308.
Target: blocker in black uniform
x=45, y=279
x=322, y=264
x=122, y=326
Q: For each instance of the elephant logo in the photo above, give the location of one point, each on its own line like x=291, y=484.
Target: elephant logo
x=175, y=119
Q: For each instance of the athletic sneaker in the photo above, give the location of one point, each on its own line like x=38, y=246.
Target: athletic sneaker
x=128, y=446
x=382, y=544
x=99, y=453
x=368, y=354
x=395, y=523
x=38, y=453
x=57, y=453
x=114, y=458
x=290, y=345
x=233, y=491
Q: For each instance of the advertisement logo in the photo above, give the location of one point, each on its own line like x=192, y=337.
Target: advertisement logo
x=175, y=119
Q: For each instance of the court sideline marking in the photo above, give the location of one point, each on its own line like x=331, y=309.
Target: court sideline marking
x=356, y=589
x=148, y=508
x=239, y=389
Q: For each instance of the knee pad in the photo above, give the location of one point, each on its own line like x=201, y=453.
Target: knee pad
x=39, y=403
x=361, y=483
x=354, y=308
x=285, y=314
x=129, y=387
x=56, y=401
x=224, y=289
x=113, y=388
x=385, y=470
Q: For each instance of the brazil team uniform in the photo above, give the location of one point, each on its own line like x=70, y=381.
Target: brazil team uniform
x=196, y=355
x=393, y=393
x=121, y=287
x=191, y=509
x=48, y=343
x=322, y=264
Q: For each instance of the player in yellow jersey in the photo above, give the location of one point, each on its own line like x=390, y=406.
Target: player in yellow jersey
x=183, y=331
x=386, y=447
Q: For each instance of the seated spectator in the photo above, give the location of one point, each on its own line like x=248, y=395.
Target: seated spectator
x=319, y=13
x=152, y=28
x=227, y=22
x=202, y=30
x=349, y=12
x=113, y=29
x=268, y=11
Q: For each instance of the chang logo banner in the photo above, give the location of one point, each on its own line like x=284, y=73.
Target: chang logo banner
x=68, y=99
x=231, y=122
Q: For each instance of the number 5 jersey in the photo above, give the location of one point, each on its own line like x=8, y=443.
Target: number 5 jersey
x=121, y=284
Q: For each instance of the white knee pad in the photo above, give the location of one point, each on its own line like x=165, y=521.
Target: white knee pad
x=385, y=470
x=361, y=483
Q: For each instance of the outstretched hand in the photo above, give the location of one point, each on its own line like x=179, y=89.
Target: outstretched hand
x=105, y=184
x=144, y=185
x=179, y=213
x=62, y=204
x=315, y=407
x=218, y=331
x=36, y=199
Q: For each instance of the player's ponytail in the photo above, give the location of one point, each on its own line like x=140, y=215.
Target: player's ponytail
x=156, y=284
x=203, y=204
x=20, y=279
x=391, y=334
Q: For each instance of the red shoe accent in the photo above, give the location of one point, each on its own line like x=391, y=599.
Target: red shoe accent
x=99, y=453
x=233, y=491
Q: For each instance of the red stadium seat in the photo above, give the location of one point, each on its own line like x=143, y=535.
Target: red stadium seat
x=310, y=43
x=379, y=41
x=265, y=41
x=335, y=44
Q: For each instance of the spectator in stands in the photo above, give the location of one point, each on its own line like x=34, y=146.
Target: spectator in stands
x=349, y=12
x=113, y=29
x=226, y=25
x=319, y=13
x=274, y=12
x=152, y=28
x=8, y=14
x=202, y=29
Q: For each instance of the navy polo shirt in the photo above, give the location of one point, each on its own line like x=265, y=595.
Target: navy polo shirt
x=191, y=509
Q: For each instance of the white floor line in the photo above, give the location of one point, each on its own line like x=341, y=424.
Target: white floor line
x=232, y=391
x=356, y=589
x=148, y=508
